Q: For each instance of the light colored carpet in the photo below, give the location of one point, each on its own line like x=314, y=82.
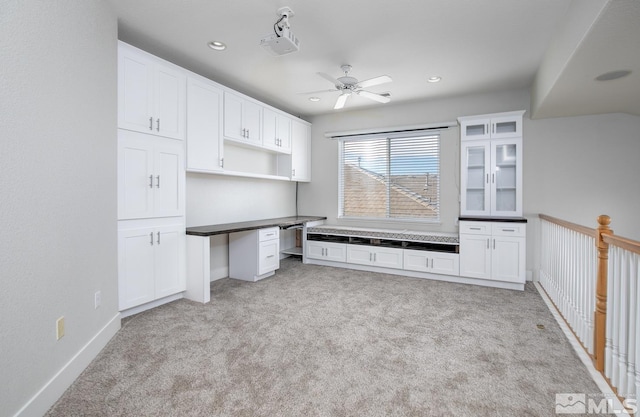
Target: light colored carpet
x=319, y=341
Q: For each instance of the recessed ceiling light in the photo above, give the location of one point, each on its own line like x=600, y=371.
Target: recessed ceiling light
x=218, y=46
x=314, y=99
x=434, y=79
x=613, y=75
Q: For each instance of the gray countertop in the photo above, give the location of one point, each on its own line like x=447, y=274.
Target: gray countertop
x=282, y=222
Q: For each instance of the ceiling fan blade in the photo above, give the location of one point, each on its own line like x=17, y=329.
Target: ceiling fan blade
x=330, y=79
x=372, y=96
x=333, y=90
x=375, y=81
x=342, y=99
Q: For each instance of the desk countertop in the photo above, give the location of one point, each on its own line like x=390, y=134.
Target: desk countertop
x=282, y=222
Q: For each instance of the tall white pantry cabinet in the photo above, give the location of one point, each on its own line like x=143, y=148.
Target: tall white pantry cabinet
x=492, y=229
x=151, y=178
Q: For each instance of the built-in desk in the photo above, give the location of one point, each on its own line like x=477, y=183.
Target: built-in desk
x=198, y=249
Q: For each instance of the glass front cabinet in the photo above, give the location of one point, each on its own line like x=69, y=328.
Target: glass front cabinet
x=491, y=165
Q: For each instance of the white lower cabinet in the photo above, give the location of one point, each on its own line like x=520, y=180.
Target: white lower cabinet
x=151, y=263
x=254, y=254
x=428, y=261
x=372, y=255
x=493, y=250
x=327, y=251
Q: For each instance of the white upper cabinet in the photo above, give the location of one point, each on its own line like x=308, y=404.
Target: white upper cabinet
x=151, y=94
x=300, y=151
x=491, y=126
x=491, y=177
x=204, y=126
x=276, y=131
x=242, y=120
x=151, y=176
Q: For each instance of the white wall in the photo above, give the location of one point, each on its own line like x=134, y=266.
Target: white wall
x=321, y=195
x=575, y=168
x=58, y=194
x=215, y=199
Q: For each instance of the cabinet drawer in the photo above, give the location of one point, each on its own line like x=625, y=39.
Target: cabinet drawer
x=268, y=234
x=509, y=229
x=475, y=228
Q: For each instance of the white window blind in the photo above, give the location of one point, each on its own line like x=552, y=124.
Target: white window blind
x=392, y=177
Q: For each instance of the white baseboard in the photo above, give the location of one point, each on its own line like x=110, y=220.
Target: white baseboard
x=56, y=386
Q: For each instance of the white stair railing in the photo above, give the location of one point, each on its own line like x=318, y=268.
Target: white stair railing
x=622, y=346
x=568, y=273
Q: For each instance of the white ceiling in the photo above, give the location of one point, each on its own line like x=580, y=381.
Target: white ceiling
x=475, y=46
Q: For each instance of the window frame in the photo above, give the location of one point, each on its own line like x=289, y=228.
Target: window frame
x=389, y=137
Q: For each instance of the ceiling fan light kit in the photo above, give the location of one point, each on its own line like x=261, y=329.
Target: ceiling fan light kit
x=282, y=41
x=347, y=85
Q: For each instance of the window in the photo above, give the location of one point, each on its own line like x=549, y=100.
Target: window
x=390, y=177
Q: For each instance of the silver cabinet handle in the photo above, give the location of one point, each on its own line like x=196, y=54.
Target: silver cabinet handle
x=374, y=257
x=158, y=238
x=508, y=230
x=244, y=134
x=493, y=178
x=151, y=235
x=293, y=172
x=270, y=256
x=248, y=134
x=150, y=123
x=474, y=228
x=221, y=162
x=158, y=125
x=431, y=263
x=494, y=243
x=487, y=243
x=150, y=181
x=157, y=181
x=487, y=178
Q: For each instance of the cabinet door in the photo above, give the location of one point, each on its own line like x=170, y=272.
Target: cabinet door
x=416, y=260
x=136, y=249
x=283, y=133
x=168, y=180
x=170, y=274
x=336, y=252
x=135, y=91
x=251, y=114
x=506, y=178
x=169, y=102
x=387, y=258
x=508, y=259
x=135, y=175
x=475, y=256
x=269, y=129
x=315, y=250
x=204, y=127
x=300, y=152
x=268, y=256
x=233, y=128
x=475, y=198
x=506, y=127
x=475, y=129
x=361, y=255
x=445, y=263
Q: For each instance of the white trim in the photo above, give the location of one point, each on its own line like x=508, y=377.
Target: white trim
x=582, y=354
x=47, y=396
x=425, y=275
x=153, y=304
x=396, y=129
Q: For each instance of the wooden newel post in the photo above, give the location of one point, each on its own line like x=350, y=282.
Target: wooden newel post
x=600, y=319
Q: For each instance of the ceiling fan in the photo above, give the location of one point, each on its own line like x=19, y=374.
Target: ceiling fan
x=347, y=85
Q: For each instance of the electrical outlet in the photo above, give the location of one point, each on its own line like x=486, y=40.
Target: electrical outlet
x=97, y=299
x=60, y=328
